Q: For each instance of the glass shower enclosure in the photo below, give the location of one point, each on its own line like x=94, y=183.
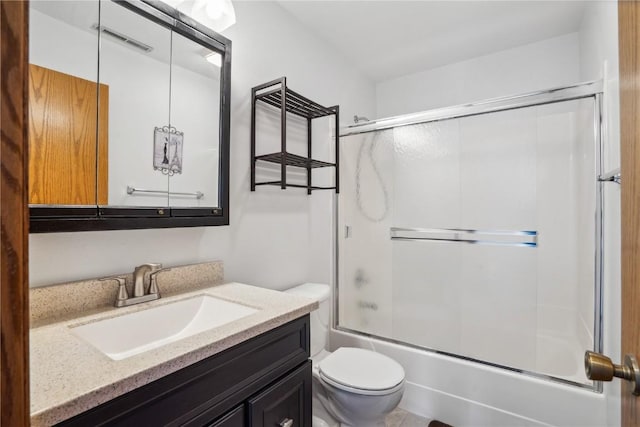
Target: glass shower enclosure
x=476, y=231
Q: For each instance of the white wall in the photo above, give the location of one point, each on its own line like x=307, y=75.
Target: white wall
x=54, y=53
x=542, y=65
x=276, y=238
x=599, y=59
x=192, y=111
x=139, y=86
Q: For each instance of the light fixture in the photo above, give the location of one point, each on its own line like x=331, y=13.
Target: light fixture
x=215, y=14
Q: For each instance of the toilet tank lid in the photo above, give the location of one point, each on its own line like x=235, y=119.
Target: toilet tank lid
x=316, y=291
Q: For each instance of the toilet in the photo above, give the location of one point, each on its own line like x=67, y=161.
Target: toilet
x=354, y=386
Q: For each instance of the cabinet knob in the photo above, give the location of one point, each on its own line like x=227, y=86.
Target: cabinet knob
x=287, y=422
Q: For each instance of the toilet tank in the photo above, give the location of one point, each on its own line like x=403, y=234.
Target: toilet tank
x=319, y=318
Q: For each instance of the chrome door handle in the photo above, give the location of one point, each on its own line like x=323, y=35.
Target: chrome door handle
x=287, y=422
x=599, y=367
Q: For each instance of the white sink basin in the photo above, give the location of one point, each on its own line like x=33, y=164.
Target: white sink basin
x=134, y=333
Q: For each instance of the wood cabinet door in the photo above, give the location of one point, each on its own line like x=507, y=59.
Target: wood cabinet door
x=287, y=403
x=233, y=418
x=68, y=139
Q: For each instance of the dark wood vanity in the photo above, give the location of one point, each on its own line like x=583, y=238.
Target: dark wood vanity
x=264, y=381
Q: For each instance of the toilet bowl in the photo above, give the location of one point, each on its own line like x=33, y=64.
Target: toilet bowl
x=356, y=387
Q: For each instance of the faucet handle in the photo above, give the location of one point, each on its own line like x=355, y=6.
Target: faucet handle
x=153, y=280
x=123, y=295
x=121, y=280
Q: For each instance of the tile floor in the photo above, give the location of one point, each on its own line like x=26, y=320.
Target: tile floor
x=401, y=418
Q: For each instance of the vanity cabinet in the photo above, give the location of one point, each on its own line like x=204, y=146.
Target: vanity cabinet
x=264, y=381
x=282, y=404
x=234, y=418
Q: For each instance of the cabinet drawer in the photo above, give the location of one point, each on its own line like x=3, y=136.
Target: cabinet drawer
x=287, y=403
x=234, y=418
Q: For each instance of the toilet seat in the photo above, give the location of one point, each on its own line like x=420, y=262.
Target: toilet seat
x=362, y=372
x=361, y=391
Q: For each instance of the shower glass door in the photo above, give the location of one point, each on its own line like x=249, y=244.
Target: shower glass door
x=476, y=237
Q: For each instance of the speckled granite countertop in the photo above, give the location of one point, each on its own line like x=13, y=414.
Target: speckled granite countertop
x=70, y=376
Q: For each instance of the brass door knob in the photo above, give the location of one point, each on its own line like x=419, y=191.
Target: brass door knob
x=599, y=367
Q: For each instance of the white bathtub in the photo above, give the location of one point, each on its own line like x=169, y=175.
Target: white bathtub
x=464, y=393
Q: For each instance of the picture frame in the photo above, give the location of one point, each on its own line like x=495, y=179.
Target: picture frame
x=167, y=150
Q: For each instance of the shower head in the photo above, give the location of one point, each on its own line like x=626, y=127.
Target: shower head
x=357, y=119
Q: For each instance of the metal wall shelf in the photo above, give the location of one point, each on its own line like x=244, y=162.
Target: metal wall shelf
x=289, y=101
x=294, y=160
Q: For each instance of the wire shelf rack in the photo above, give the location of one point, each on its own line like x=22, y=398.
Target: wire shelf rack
x=276, y=94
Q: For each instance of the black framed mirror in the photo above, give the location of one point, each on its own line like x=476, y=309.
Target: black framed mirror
x=129, y=117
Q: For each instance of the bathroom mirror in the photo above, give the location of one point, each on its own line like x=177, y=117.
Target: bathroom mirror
x=128, y=117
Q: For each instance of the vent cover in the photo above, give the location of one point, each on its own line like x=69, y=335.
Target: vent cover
x=122, y=38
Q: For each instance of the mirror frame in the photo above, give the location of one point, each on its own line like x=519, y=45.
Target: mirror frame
x=55, y=218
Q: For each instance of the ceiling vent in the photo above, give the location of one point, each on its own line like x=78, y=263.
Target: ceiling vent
x=122, y=38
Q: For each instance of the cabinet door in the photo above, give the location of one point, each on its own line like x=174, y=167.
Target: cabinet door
x=287, y=403
x=233, y=418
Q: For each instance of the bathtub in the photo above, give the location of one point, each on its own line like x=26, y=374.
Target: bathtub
x=465, y=393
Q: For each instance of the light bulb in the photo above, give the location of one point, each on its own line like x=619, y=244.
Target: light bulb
x=215, y=14
x=214, y=9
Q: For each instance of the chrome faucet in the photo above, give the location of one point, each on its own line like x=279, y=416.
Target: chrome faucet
x=139, y=275
x=139, y=284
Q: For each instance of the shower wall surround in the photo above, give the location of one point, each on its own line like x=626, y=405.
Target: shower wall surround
x=599, y=59
x=515, y=305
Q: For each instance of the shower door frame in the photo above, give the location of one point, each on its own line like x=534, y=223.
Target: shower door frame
x=591, y=89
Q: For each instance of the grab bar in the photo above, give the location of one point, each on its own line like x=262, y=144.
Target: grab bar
x=493, y=237
x=130, y=190
x=613, y=176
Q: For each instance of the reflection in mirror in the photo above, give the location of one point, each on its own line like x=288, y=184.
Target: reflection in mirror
x=135, y=57
x=195, y=112
x=126, y=117
x=63, y=99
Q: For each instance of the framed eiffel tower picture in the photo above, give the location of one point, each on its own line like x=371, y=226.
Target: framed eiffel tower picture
x=167, y=150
